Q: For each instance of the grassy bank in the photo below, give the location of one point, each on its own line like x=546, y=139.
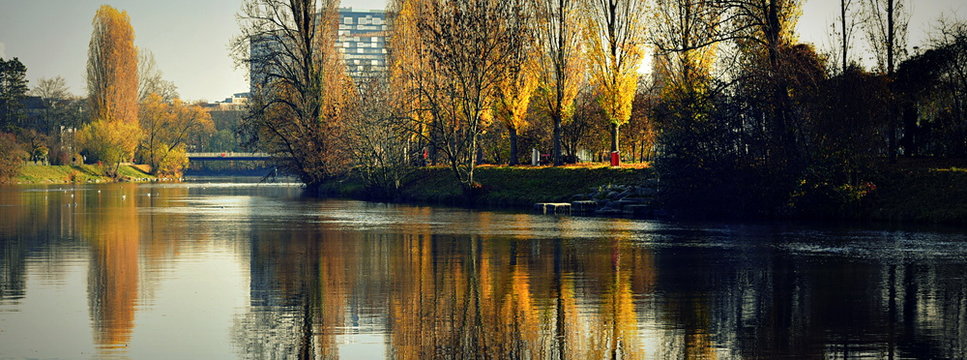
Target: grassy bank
x=65, y=174
x=903, y=194
x=921, y=195
x=506, y=187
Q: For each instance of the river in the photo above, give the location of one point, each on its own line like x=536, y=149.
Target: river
x=228, y=271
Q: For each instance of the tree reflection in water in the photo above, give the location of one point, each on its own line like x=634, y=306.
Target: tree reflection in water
x=442, y=296
x=424, y=283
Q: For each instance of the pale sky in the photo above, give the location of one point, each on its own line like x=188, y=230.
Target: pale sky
x=189, y=38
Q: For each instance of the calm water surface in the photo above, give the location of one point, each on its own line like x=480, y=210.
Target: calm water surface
x=222, y=271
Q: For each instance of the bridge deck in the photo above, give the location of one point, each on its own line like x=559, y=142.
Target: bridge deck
x=227, y=156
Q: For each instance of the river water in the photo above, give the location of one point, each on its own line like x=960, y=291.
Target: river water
x=224, y=271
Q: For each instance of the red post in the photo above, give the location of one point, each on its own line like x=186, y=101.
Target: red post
x=615, y=159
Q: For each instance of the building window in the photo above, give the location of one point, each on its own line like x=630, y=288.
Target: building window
x=347, y=20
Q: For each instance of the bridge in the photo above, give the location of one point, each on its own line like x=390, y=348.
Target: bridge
x=228, y=156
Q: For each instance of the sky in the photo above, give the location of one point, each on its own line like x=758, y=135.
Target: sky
x=189, y=38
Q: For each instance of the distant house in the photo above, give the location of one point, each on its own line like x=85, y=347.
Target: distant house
x=35, y=110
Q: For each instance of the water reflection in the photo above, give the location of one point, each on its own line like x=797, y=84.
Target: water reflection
x=350, y=280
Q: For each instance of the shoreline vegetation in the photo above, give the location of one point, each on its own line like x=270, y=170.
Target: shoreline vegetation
x=911, y=192
x=740, y=119
x=82, y=174
x=898, y=193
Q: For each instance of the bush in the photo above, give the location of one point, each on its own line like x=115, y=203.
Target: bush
x=12, y=157
x=109, y=142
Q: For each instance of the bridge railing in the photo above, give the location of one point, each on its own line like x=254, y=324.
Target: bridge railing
x=228, y=156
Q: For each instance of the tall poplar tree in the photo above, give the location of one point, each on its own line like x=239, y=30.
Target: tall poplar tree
x=112, y=84
x=112, y=67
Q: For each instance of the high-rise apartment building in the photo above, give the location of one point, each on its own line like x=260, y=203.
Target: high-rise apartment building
x=362, y=41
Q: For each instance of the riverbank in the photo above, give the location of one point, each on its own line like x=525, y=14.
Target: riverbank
x=920, y=195
x=899, y=194
x=509, y=187
x=68, y=174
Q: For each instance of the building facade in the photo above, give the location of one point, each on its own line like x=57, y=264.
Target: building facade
x=362, y=42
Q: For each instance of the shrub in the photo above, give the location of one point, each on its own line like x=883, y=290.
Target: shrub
x=12, y=157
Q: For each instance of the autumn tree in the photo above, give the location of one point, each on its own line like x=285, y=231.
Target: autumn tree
x=300, y=89
x=687, y=35
x=514, y=95
x=12, y=157
x=558, y=27
x=408, y=69
x=382, y=153
x=587, y=128
x=112, y=83
x=167, y=128
x=112, y=67
x=616, y=36
x=470, y=45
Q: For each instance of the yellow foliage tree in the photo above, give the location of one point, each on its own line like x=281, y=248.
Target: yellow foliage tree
x=558, y=34
x=616, y=36
x=466, y=48
x=112, y=67
x=514, y=98
x=112, y=82
x=408, y=68
x=167, y=128
x=686, y=36
x=109, y=142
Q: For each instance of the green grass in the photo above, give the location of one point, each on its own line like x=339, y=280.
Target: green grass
x=921, y=195
x=507, y=187
x=133, y=172
x=63, y=174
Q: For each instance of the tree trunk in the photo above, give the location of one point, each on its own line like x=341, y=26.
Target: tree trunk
x=890, y=67
x=558, y=160
x=845, y=34
x=892, y=136
x=614, y=137
x=513, y=146
x=910, y=129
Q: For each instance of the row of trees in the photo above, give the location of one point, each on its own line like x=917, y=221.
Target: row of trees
x=130, y=114
x=136, y=114
x=458, y=68
x=741, y=115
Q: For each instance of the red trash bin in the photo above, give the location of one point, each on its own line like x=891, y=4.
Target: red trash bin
x=615, y=159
